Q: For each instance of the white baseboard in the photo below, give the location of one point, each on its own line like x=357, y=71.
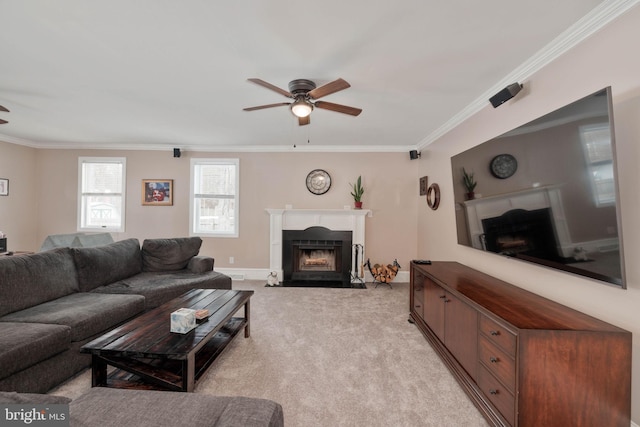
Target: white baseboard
x=262, y=273
x=245, y=273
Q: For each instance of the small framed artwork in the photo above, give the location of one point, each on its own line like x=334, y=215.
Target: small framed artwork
x=157, y=192
x=423, y=186
x=4, y=187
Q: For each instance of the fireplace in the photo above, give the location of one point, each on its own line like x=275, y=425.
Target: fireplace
x=345, y=220
x=316, y=256
x=520, y=232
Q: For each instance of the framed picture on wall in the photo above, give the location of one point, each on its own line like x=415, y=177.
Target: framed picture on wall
x=424, y=184
x=4, y=187
x=157, y=192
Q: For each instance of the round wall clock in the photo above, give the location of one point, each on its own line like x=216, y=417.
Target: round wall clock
x=318, y=181
x=503, y=166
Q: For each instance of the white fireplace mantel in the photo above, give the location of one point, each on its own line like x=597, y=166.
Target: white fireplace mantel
x=300, y=219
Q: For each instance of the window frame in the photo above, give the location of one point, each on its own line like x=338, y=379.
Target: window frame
x=192, y=197
x=123, y=195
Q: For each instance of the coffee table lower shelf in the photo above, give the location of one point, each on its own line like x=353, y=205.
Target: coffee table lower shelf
x=165, y=373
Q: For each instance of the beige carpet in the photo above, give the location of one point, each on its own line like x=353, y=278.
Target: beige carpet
x=335, y=357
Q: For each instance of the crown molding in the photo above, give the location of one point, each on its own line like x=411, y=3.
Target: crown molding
x=20, y=141
x=599, y=17
x=307, y=148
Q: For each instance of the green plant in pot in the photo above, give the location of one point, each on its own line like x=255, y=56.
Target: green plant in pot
x=358, y=191
x=469, y=183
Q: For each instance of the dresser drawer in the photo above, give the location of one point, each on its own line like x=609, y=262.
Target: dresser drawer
x=498, y=334
x=496, y=361
x=501, y=398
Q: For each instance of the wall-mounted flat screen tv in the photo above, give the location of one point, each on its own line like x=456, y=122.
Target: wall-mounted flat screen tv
x=546, y=192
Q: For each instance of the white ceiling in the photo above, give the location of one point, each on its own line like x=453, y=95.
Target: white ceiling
x=157, y=74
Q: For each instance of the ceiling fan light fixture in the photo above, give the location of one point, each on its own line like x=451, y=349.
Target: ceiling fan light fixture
x=301, y=107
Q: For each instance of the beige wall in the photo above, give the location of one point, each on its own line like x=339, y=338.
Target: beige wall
x=267, y=180
x=600, y=61
x=18, y=210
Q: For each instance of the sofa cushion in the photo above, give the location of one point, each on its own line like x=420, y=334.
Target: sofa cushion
x=170, y=409
x=25, y=344
x=169, y=254
x=105, y=264
x=158, y=288
x=49, y=373
x=86, y=313
x=28, y=280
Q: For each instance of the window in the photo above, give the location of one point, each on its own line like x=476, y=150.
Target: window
x=596, y=144
x=101, y=198
x=214, y=197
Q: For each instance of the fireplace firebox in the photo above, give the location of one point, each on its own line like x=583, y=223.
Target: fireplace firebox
x=316, y=256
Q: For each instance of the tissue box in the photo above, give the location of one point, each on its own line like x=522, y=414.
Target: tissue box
x=183, y=320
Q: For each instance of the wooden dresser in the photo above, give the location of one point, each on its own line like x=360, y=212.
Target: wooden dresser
x=523, y=360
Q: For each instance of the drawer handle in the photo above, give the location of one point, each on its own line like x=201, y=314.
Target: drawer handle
x=443, y=296
x=494, y=333
x=493, y=391
x=493, y=359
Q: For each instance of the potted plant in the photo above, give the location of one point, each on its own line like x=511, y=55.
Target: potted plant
x=469, y=183
x=357, y=193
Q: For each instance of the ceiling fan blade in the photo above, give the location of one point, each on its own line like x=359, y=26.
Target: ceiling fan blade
x=304, y=120
x=272, y=87
x=338, y=108
x=328, y=89
x=3, y=109
x=262, y=107
x=3, y=122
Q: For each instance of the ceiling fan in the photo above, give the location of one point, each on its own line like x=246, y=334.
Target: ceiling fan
x=6, y=111
x=305, y=97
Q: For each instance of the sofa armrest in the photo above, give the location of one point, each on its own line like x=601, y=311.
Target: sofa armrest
x=200, y=264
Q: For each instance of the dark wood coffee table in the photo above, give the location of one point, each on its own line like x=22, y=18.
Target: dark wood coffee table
x=149, y=356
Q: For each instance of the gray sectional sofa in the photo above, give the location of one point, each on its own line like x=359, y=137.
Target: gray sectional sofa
x=101, y=407
x=53, y=302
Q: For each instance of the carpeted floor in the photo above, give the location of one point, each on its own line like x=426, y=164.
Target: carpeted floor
x=334, y=357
